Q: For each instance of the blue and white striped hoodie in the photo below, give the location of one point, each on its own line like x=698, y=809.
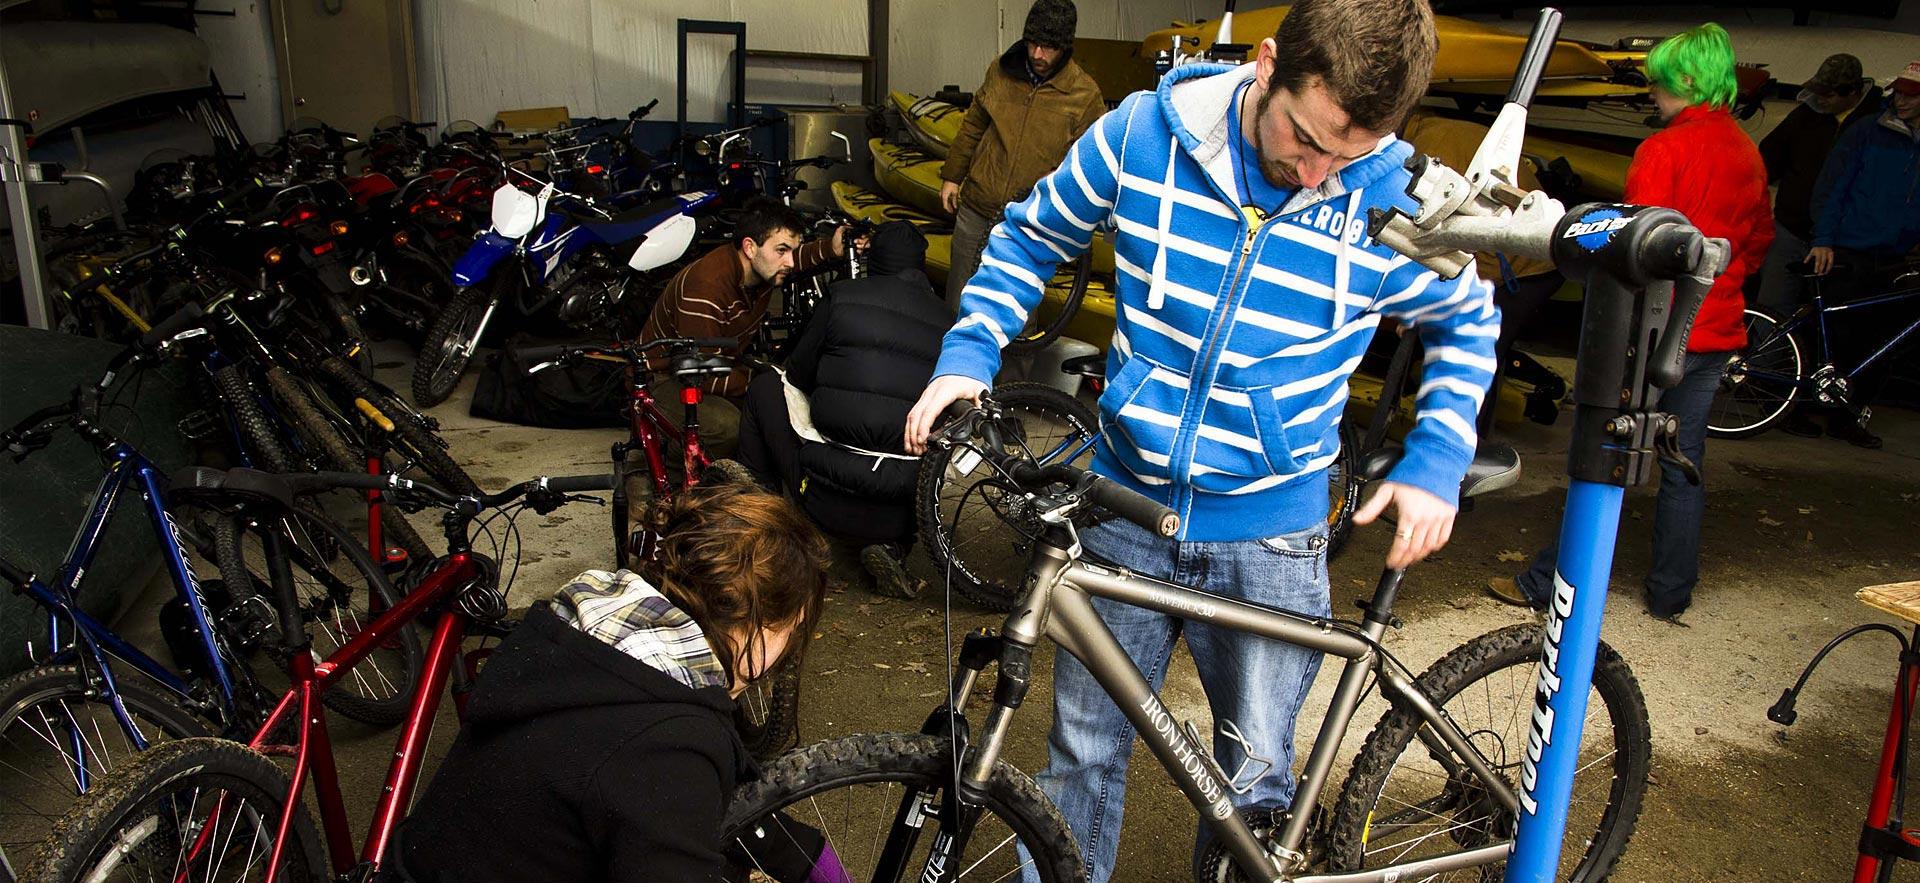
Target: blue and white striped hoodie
x=1232, y=345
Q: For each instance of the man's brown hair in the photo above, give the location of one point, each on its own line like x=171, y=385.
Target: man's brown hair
x=738, y=560
x=1373, y=56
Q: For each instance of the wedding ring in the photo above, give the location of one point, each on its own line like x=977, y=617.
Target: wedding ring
x=1405, y=534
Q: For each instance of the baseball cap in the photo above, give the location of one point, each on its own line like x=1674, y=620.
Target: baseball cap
x=1908, y=82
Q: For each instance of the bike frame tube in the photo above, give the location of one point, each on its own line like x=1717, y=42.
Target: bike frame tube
x=1587, y=534
x=654, y=432
x=404, y=773
x=1059, y=606
x=1868, y=868
x=314, y=751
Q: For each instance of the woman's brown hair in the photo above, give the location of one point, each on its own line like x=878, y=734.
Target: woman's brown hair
x=739, y=560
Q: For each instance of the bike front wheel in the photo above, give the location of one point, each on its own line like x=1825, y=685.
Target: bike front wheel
x=1760, y=383
x=875, y=805
x=449, y=346
x=976, y=526
x=1409, y=798
x=193, y=809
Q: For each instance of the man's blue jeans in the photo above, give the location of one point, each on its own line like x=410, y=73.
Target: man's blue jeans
x=1256, y=683
x=1681, y=507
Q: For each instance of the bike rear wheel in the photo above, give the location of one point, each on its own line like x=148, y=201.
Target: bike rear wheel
x=1761, y=383
x=193, y=809
x=56, y=732
x=1040, y=335
x=1343, y=490
x=877, y=800
x=977, y=528
x=1408, y=799
x=337, y=598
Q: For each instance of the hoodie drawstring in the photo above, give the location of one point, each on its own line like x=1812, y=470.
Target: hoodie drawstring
x=1156, y=293
x=1341, y=265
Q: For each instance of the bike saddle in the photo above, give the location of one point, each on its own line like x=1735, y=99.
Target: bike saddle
x=630, y=224
x=1494, y=466
x=692, y=365
x=1090, y=365
x=231, y=485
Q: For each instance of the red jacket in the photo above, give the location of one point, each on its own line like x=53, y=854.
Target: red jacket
x=1705, y=167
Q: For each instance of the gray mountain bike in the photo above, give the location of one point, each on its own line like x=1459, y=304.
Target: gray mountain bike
x=1433, y=793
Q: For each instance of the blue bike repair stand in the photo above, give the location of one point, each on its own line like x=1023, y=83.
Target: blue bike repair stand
x=1646, y=271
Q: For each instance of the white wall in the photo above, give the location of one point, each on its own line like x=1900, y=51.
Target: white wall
x=605, y=57
x=243, y=59
x=937, y=43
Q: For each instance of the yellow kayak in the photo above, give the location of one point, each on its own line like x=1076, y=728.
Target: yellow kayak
x=908, y=174
x=1468, y=50
x=932, y=124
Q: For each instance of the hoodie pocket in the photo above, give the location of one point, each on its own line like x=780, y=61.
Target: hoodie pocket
x=1245, y=438
x=1140, y=413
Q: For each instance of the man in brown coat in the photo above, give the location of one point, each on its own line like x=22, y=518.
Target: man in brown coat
x=1034, y=103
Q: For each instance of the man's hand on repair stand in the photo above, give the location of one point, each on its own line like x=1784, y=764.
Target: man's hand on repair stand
x=1422, y=522
x=943, y=391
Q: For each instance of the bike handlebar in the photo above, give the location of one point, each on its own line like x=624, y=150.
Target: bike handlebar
x=1035, y=477
x=556, y=352
x=324, y=481
x=182, y=319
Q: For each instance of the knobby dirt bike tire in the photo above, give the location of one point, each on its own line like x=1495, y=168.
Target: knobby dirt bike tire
x=418, y=442
x=1343, y=491
x=1040, y=338
x=770, y=723
x=342, y=456
x=97, y=827
x=967, y=577
x=160, y=716
x=1517, y=646
x=918, y=760
x=264, y=443
x=436, y=372
x=243, y=584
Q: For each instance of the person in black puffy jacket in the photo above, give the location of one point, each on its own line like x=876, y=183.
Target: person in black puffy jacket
x=850, y=381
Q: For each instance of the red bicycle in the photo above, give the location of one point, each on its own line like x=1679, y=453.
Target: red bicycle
x=214, y=809
x=652, y=434
x=766, y=715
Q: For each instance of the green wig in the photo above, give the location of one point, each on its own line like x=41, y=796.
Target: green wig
x=1696, y=65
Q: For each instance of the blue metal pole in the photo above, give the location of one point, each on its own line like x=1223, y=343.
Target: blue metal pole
x=1564, y=677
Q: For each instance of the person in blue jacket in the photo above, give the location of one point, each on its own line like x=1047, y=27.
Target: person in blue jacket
x=1866, y=218
x=1248, y=289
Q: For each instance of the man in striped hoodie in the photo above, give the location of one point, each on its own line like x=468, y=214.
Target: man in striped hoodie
x=1248, y=289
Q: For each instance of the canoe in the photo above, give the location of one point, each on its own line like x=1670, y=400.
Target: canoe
x=932, y=124
x=1468, y=50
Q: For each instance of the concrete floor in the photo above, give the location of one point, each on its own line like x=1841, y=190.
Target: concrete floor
x=1795, y=526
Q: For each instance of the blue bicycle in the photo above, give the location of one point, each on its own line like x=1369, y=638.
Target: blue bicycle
x=94, y=698
x=1791, y=359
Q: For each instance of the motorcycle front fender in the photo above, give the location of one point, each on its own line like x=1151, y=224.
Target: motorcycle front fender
x=480, y=258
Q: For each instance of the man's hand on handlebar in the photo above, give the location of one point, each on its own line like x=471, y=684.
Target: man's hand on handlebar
x=943, y=391
x=1422, y=522
x=1820, y=258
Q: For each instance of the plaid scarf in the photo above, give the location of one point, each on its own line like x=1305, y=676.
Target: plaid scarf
x=622, y=611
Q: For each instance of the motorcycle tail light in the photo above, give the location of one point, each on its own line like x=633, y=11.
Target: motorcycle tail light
x=274, y=256
x=339, y=228
x=300, y=215
x=321, y=249
x=595, y=169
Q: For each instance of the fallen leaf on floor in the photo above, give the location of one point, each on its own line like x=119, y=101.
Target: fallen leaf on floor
x=816, y=636
x=1809, y=536
x=831, y=671
x=1770, y=522
x=1806, y=510
x=916, y=667
x=1513, y=555
x=882, y=665
x=929, y=694
x=1653, y=779
x=1699, y=731
x=1458, y=603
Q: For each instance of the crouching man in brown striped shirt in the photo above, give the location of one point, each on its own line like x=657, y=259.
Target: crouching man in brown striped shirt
x=725, y=294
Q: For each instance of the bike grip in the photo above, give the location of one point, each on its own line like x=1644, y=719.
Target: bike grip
x=1131, y=505
x=574, y=484
x=1689, y=292
x=536, y=354
x=181, y=320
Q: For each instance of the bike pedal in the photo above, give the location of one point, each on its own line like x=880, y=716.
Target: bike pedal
x=198, y=425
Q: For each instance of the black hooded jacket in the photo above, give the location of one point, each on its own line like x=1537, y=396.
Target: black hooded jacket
x=578, y=762
x=864, y=360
